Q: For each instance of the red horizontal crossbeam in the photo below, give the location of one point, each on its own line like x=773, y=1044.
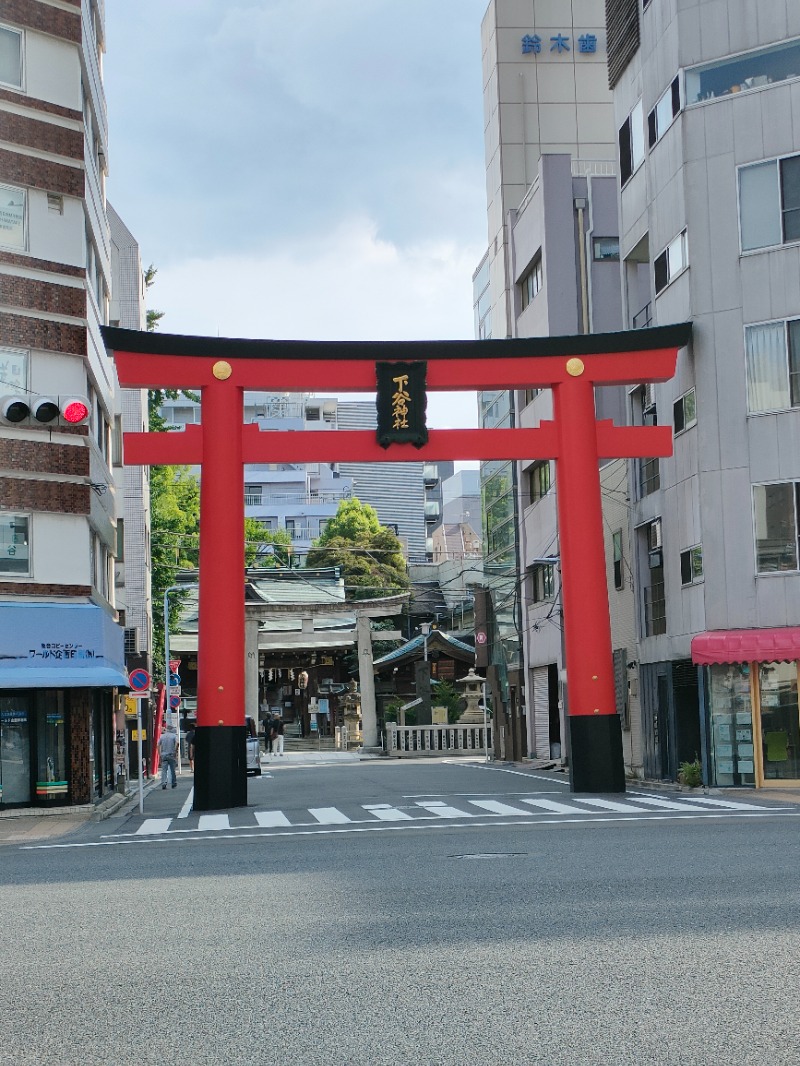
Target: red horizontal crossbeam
x=145, y=371
x=360, y=445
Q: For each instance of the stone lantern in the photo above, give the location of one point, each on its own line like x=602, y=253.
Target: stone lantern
x=352, y=716
x=472, y=684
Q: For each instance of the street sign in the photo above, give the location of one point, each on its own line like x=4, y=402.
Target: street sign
x=174, y=679
x=174, y=665
x=480, y=637
x=135, y=734
x=174, y=702
x=175, y=690
x=139, y=680
x=131, y=706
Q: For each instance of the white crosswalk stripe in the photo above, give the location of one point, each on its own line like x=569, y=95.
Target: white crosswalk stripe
x=670, y=805
x=214, y=821
x=328, y=815
x=429, y=810
x=441, y=809
x=386, y=813
x=551, y=805
x=151, y=826
x=271, y=819
x=496, y=807
x=613, y=805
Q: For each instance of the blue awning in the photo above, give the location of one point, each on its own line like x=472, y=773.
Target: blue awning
x=47, y=645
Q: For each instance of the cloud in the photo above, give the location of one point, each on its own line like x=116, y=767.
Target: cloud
x=346, y=284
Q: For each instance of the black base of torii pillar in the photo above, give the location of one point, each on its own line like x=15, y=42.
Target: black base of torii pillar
x=595, y=754
x=220, y=767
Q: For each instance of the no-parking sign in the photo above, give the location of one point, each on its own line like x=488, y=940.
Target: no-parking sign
x=139, y=680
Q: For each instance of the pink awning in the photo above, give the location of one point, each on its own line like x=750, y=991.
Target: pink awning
x=747, y=645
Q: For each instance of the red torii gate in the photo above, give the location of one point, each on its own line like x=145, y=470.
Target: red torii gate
x=222, y=369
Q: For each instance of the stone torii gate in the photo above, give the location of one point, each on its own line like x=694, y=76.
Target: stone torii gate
x=223, y=369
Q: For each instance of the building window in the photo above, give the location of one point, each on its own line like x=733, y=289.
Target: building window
x=631, y=143
x=660, y=118
x=769, y=203
x=684, y=411
x=763, y=66
x=531, y=394
x=11, y=57
x=692, y=565
x=616, y=553
x=15, y=549
x=606, y=249
x=13, y=369
x=539, y=480
x=531, y=283
x=252, y=495
x=772, y=351
x=655, y=606
x=775, y=518
x=543, y=583
x=12, y=217
x=672, y=261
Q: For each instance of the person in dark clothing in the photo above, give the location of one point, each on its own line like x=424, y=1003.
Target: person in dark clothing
x=268, y=735
x=190, y=745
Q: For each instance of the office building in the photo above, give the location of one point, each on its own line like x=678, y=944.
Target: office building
x=62, y=663
x=705, y=101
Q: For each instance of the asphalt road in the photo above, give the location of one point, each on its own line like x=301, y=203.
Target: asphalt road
x=603, y=937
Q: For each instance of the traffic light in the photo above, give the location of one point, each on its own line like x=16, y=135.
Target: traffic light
x=69, y=410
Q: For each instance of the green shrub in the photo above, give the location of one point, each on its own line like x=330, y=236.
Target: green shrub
x=691, y=773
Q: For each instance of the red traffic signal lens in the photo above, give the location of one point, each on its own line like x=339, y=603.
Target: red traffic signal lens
x=75, y=411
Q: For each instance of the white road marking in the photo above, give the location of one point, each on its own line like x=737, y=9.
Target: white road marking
x=671, y=805
x=441, y=810
x=415, y=825
x=556, y=808
x=151, y=826
x=386, y=813
x=498, y=808
x=184, y=812
x=213, y=821
x=727, y=805
x=519, y=773
x=612, y=805
x=328, y=815
x=271, y=819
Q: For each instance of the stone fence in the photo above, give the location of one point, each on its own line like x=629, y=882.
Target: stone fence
x=417, y=740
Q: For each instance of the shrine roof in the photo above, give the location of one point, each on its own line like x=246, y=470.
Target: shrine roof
x=175, y=344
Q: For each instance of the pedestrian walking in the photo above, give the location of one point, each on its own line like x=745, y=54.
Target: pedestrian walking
x=277, y=734
x=268, y=724
x=190, y=746
x=168, y=751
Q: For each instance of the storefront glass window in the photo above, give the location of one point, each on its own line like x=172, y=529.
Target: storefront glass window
x=51, y=747
x=15, y=750
x=780, y=721
x=732, y=751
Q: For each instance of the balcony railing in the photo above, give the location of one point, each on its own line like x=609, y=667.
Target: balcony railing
x=307, y=498
x=644, y=318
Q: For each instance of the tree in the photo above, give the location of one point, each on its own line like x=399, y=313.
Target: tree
x=369, y=554
x=265, y=547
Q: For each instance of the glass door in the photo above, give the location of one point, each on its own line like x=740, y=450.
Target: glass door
x=780, y=723
x=15, y=751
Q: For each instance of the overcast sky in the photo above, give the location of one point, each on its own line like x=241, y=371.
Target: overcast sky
x=305, y=169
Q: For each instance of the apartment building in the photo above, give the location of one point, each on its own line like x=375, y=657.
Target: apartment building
x=62, y=649
x=705, y=101
x=552, y=267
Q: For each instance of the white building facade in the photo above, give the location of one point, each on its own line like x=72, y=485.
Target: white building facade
x=62, y=648
x=705, y=99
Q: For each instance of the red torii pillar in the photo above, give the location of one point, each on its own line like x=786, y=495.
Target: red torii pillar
x=223, y=369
